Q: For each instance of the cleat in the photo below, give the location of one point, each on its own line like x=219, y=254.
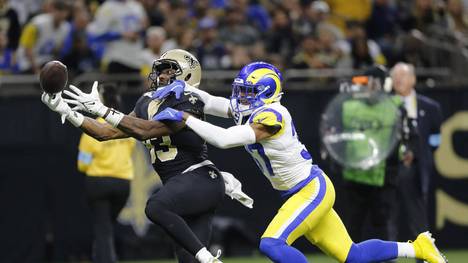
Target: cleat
x=425, y=249
x=216, y=259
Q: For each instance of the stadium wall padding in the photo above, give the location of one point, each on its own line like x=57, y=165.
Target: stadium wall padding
x=44, y=215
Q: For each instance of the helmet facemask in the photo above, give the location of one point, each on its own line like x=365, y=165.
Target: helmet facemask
x=161, y=65
x=246, y=98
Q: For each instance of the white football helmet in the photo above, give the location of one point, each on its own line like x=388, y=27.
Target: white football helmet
x=186, y=66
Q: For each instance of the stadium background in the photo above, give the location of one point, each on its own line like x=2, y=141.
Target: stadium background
x=44, y=214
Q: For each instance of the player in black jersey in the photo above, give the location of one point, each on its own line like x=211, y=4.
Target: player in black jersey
x=192, y=186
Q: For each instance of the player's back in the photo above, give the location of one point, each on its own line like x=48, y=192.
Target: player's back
x=283, y=159
x=174, y=153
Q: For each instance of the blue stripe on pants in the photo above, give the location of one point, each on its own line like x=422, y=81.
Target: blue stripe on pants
x=307, y=210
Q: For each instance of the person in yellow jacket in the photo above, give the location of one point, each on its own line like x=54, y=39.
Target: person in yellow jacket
x=109, y=169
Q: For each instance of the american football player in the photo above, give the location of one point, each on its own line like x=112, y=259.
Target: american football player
x=193, y=187
x=266, y=130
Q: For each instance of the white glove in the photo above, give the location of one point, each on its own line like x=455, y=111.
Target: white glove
x=234, y=190
x=89, y=102
x=57, y=104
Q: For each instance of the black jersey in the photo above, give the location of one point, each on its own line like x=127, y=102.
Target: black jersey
x=173, y=154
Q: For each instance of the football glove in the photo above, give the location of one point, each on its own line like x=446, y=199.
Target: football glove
x=177, y=87
x=57, y=104
x=169, y=114
x=88, y=102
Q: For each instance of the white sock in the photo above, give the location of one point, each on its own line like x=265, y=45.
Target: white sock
x=204, y=256
x=405, y=250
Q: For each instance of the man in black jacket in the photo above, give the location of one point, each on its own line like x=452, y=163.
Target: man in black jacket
x=423, y=122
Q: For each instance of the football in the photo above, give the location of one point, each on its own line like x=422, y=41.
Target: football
x=53, y=76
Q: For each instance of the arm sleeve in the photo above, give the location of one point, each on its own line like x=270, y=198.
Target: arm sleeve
x=221, y=137
x=214, y=105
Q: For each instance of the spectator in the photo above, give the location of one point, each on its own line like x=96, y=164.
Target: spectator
x=76, y=53
x=422, y=17
x=275, y=40
x=239, y=57
x=335, y=49
x=457, y=20
x=210, y=51
x=107, y=184
x=9, y=24
x=314, y=15
x=155, y=39
x=308, y=55
x=42, y=39
x=382, y=26
x=26, y=9
x=318, y=52
x=364, y=52
x=235, y=30
x=423, y=121
x=255, y=13
x=349, y=11
x=118, y=25
x=178, y=21
x=155, y=16
x=6, y=55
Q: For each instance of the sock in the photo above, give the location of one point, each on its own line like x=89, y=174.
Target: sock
x=373, y=250
x=280, y=252
x=406, y=250
x=204, y=256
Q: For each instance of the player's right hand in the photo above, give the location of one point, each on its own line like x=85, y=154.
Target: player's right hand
x=57, y=104
x=177, y=87
x=89, y=102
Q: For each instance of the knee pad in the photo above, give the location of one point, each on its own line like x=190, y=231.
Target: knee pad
x=269, y=247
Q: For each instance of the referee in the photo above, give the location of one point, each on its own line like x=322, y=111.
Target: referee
x=108, y=167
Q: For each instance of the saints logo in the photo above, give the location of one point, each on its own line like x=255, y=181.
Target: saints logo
x=143, y=184
x=191, y=61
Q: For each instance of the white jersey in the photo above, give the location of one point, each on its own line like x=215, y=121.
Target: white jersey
x=283, y=159
x=120, y=17
x=43, y=37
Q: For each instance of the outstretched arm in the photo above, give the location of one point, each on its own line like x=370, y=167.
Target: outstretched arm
x=214, y=105
x=129, y=126
x=218, y=136
x=232, y=136
x=143, y=129
x=101, y=131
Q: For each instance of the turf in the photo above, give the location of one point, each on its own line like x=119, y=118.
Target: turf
x=454, y=256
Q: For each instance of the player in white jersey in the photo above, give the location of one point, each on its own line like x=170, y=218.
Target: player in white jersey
x=119, y=24
x=266, y=130
x=42, y=38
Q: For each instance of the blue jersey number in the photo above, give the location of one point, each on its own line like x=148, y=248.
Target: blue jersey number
x=260, y=158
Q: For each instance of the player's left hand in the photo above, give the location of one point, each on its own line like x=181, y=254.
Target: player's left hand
x=177, y=87
x=57, y=104
x=89, y=102
x=169, y=114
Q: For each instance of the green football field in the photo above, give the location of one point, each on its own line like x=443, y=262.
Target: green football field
x=454, y=256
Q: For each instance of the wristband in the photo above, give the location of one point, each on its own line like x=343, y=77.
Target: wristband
x=113, y=117
x=75, y=118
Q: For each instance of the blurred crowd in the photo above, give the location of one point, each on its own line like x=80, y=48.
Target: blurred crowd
x=118, y=36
